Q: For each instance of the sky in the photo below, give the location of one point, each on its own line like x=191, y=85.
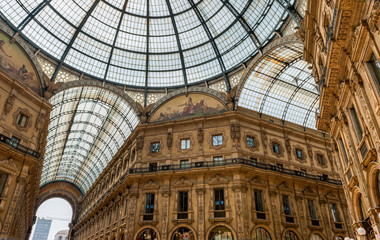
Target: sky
x=56, y=209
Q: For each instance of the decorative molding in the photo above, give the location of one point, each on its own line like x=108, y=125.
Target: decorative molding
x=151, y=185
x=218, y=180
x=235, y=130
x=149, y=146
x=183, y=137
x=256, y=142
x=28, y=122
x=280, y=147
x=183, y=182
x=304, y=157
x=324, y=165
x=214, y=133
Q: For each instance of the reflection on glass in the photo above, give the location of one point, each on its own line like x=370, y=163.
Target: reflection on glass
x=183, y=233
x=147, y=234
x=220, y=233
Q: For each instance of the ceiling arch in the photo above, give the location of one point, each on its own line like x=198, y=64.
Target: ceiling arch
x=280, y=84
x=88, y=126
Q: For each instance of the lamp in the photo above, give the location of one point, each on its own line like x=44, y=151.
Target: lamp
x=346, y=238
x=361, y=231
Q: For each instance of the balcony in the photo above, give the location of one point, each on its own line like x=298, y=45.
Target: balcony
x=18, y=146
x=238, y=161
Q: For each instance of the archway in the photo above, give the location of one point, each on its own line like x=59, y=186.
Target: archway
x=51, y=220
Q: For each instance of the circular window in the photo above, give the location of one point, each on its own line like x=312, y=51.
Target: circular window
x=183, y=233
x=220, y=233
x=261, y=234
x=290, y=235
x=147, y=234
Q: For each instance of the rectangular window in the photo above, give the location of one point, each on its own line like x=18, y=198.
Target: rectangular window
x=250, y=142
x=185, y=144
x=259, y=204
x=375, y=67
x=286, y=205
x=356, y=123
x=217, y=140
x=183, y=200
x=155, y=147
x=125, y=207
x=184, y=164
x=22, y=119
x=334, y=212
x=3, y=181
x=219, y=203
x=117, y=213
x=276, y=148
x=287, y=210
x=149, y=207
x=218, y=161
x=320, y=159
x=152, y=167
x=299, y=153
x=312, y=212
x=343, y=151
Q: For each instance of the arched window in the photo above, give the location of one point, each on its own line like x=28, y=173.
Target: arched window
x=147, y=234
x=315, y=236
x=183, y=233
x=290, y=235
x=261, y=234
x=378, y=185
x=362, y=209
x=220, y=233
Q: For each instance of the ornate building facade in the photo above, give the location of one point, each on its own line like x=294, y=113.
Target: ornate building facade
x=342, y=42
x=232, y=175
x=23, y=130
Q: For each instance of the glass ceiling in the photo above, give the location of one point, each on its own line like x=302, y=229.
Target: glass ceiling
x=87, y=127
x=147, y=43
x=281, y=85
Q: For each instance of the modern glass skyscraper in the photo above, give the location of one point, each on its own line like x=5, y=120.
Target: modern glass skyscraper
x=42, y=229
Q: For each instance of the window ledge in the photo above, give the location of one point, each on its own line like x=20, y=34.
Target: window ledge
x=221, y=219
x=178, y=221
x=261, y=221
x=148, y=222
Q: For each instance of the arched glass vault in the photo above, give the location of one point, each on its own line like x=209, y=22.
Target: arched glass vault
x=281, y=85
x=88, y=126
x=148, y=43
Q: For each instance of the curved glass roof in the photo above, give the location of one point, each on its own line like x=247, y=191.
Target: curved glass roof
x=281, y=85
x=148, y=43
x=87, y=127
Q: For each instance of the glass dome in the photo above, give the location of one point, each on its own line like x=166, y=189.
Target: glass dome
x=147, y=43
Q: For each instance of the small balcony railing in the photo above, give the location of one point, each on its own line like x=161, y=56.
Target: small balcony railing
x=237, y=161
x=18, y=146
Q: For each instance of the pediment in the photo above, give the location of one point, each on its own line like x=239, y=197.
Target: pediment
x=218, y=180
x=183, y=182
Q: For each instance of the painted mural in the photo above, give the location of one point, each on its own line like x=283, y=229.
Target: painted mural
x=14, y=61
x=192, y=105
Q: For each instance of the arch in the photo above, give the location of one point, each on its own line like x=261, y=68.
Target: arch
x=202, y=101
x=89, y=123
x=60, y=189
x=141, y=229
x=373, y=183
x=174, y=229
x=259, y=229
x=26, y=49
x=212, y=227
x=92, y=83
x=290, y=234
x=358, y=204
x=317, y=235
x=204, y=90
x=280, y=84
